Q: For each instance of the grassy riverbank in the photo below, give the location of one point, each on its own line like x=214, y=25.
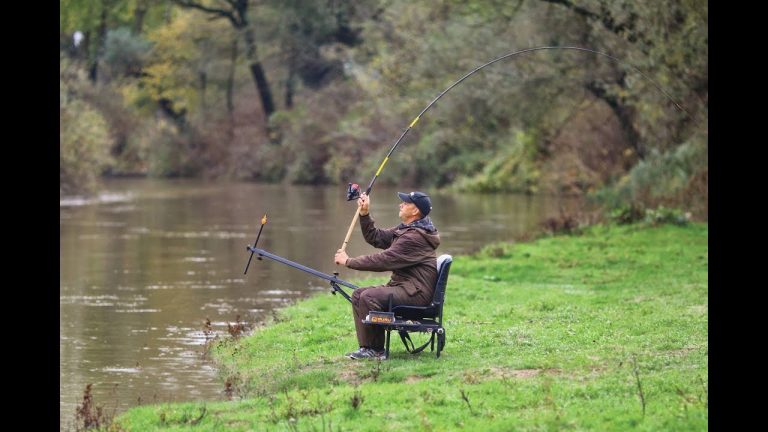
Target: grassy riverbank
x=606, y=330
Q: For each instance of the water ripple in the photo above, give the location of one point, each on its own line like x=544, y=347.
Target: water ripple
x=103, y=198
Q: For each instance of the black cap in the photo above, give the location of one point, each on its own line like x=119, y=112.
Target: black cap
x=422, y=201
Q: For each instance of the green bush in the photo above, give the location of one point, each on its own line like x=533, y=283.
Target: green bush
x=663, y=215
x=125, y=52
x=675, y=178
x=169, y=152
x=514, y=170
x=636, y=213
x=84, y=144
x=626, y=214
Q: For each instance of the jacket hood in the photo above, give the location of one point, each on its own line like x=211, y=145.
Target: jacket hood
x=426, y=228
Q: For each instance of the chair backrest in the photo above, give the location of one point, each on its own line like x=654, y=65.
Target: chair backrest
x=435, y=309
x=443, y=267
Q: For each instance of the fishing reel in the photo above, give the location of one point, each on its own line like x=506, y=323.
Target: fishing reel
x=353, y=191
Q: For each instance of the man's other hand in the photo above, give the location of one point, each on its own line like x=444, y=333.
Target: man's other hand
x=341, y=257
x=363, y=203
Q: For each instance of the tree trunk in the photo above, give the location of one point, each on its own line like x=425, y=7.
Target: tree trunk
x=261, y=84
x=203, y=86
x=138, y=16
x=84, y=50
x=101, y=40
x=623, y=114
x=289, y=84
x=231, y=77
x=257, y=72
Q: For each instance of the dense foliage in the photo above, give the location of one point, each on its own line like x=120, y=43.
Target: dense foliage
x=316, y=92
x=84, y=140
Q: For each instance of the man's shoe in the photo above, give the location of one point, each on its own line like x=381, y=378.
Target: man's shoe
x=368, y=353
x=379, y=355
x=354, y=354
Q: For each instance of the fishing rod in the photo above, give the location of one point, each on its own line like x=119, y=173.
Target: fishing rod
x=333, y=279
x=353, y=190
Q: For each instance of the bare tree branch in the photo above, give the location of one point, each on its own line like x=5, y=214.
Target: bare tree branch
x=216, y=11
x=623, y=29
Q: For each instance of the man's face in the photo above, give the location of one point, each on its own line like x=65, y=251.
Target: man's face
x=407, y=210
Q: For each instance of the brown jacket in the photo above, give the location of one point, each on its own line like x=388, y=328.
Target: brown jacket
x=409, y=252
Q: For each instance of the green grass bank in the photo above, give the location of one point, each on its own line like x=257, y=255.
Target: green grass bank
x=606, y=330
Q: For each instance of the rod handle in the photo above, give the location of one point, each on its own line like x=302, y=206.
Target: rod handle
x=351, y=227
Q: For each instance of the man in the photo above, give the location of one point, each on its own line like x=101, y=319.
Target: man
x=409, y=252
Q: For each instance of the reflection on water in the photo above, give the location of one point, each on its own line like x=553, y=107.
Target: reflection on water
x=147, y=262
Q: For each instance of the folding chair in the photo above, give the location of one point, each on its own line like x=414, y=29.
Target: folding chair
x=425, y=319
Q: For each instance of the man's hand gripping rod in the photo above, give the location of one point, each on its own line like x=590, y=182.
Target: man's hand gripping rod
x=354, y=190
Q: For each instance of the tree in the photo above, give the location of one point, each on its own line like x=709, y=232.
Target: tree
x=84, y=139
x=94, y=19
x=302, y=28
x=668, y=40
x=236, y=11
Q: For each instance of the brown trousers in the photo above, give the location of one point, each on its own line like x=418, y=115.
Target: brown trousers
x=376, y=298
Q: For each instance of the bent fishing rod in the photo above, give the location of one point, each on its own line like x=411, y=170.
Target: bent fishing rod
x=353, y=191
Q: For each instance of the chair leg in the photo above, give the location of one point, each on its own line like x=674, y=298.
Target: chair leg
x=389, y=329
x=440, y=342
x=386, y=351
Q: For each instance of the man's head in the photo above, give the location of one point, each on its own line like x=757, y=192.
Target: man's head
x=414, y=206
